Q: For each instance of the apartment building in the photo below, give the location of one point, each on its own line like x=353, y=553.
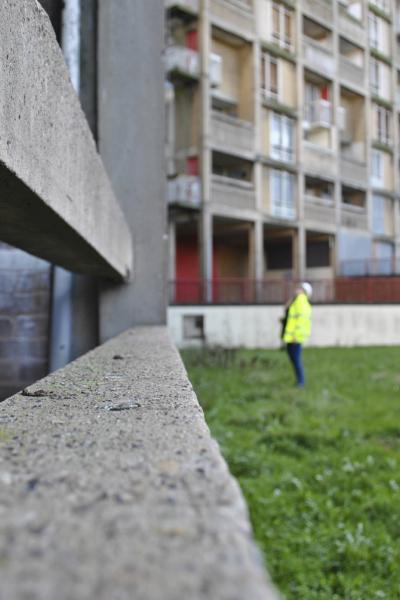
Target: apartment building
x=282, y=139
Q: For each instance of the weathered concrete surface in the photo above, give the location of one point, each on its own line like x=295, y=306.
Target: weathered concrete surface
x=259, y=326
x=111, y=487
x=131, y=142
x=56, y=200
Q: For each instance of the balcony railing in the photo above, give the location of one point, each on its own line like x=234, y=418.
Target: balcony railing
x=370, y=267
x=182, y=60
x=234, y=14
x=318, y=57
x=318, y=159
x=353, y=171
x=322, y=9
x=233, y=193
x=318, y=113
x=234, y=134
x=350, y=73
x=319, y=210
x=244, y=291
x=350, y=27
x=354, y=216
x=184, y=189
x=186, y=62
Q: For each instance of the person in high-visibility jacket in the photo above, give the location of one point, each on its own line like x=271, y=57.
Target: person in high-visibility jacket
x=296, y=328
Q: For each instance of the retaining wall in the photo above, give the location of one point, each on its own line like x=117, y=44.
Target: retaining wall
x=259, y=326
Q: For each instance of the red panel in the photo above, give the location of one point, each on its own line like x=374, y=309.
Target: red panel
x=192, y=166
x=189, y=287
x=191, y=39
x=325, y=93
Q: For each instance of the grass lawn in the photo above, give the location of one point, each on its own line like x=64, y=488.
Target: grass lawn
x=320, y=467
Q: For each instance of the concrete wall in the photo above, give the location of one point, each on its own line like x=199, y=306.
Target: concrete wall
x=112, y=487
x=56, y=200
x=24, y=319
x=259, y=326
x=131, y=142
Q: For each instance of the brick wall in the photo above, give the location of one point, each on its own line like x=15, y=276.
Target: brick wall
x=24, y=319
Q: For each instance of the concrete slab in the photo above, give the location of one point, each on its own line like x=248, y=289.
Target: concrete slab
x=56, y=200
x=112, y=488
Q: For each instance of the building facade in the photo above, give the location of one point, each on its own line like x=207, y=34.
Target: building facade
x=282, y=141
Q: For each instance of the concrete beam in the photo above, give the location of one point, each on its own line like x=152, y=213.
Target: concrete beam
x=111, y=486
x=56, y=200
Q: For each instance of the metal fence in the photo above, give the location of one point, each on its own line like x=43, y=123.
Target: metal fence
x=341, y=290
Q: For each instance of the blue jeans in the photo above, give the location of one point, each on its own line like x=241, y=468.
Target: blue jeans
x=295, y=351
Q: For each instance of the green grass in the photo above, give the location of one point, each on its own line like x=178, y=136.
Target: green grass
x=320, y=467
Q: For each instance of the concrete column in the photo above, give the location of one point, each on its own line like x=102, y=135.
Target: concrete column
x=131, y=142
x=337, y=192
x=299, y=240
x=205, y=229
x=259, y=255
x=206, y=247
x=300, y=247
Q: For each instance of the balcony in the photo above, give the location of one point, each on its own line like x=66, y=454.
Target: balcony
x=184, y=190
x=351, y=74
x=233, y=134
x=351, y=28
x=354, y=217
x=232, y=193
x=183, y=62
x=318, y=114
x=319, y=160
x=318, y=57
x=353, y=171
x=234, y=15
x=319, y=9
x=319, y=211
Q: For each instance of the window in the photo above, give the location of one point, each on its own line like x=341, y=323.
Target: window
x=270, y=76
x=373, y=31
x=378, y=34
x=193, y=327
x=383, y=125
x=282, y=26
x=384, y=258
x=374, y=76
x=377, y=176
x=282, y=137
x=378, y=214
x=282, y=194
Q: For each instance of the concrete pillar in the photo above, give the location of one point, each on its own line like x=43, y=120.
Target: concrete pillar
x=205, y=229
x=206, y=249
x=300, y=240
x=131, y=142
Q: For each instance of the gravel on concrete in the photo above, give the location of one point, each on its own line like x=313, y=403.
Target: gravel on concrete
x=112, y=488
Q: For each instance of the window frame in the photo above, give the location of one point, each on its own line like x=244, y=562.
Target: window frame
x=282, y=128
x=280, y=36
x=283, y=204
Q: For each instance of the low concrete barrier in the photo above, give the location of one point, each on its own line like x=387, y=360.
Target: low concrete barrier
x=259, y=326
x=112, y=488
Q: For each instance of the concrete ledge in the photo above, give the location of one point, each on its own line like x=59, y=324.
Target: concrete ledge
x=56, y=200
x=112, y=488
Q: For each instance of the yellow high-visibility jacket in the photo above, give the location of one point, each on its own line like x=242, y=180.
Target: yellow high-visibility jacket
x=298, y=324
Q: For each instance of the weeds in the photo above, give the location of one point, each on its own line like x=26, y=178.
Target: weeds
x=320, y=468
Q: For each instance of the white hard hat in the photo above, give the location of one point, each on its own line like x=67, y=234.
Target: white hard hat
x=307, y=287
